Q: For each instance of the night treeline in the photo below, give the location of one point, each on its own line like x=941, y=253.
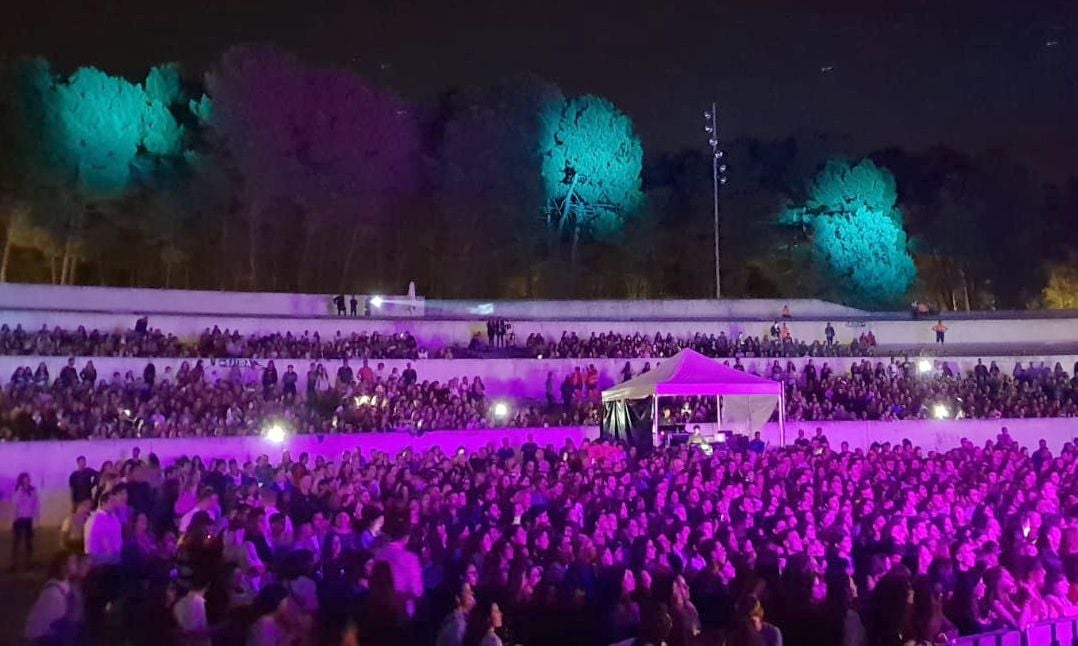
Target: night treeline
x=268, y=173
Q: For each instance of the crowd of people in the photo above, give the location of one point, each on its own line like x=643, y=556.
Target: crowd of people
x=908, y=389
x=235, y=400
x=213, y=343
x=778, y=342
x=593, y=544
x=79, y=403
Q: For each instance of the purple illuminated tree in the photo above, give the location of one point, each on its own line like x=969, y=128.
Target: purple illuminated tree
x=322, y=154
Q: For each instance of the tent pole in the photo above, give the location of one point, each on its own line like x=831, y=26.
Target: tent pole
x=718, y=418
x=654, y=421
x=782, y=417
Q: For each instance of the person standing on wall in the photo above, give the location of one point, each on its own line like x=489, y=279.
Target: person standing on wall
x=353, y=306
x=25, y=507
x=941, y=331
x=338, y=301
x=829, y=333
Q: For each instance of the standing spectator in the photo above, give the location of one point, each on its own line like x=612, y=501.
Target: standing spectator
x=490, y=332
x=69, y=375
x=344, y=373
x=190, y=615
x=269, y=380
x=829, y=333
x=288, y=383
x=941, y=330
x=409, y=376
x=25, y=507
x=403, y=564
x=89, y=374
x=338, y=300
x=82, y=482
x=353, y=305
x=53, y=619
x=104, y=536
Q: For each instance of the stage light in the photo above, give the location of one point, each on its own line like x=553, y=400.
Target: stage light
x=377, y=301
x=939, y=411
x=501, y=410
x=276, y=433
x=924, y=365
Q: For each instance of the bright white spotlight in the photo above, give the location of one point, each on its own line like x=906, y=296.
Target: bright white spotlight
x=362, y=400
x=924, y=365
x=939, y=411
x=377, y=301
x=276, y=433
x=501, y=410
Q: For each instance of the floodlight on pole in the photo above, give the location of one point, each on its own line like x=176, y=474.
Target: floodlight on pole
x=718, y=178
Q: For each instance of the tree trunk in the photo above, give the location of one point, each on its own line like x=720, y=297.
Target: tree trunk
x=348, y=254
x=71, y=265
x=252, y=246
x=168, y=275
x=965, y=288
x=304, y=255
x=7, y=256
x=52, y=269
x=321, y=266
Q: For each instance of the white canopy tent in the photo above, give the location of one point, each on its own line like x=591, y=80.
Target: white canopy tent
x=745, y=402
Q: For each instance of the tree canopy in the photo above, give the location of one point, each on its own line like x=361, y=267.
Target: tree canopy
x=857, y=233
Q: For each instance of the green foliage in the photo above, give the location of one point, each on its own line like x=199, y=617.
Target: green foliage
x=592, y=158
x=1061, y=291
x=857, y=232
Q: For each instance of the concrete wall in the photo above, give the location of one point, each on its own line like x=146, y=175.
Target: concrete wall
x=639, y=310
x=1013, y=333
x=141, y=301
x=20, y=296
x=509, y=378
x=50, y=463
x=934, y=435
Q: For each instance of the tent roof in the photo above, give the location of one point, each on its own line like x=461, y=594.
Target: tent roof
x=691, y=373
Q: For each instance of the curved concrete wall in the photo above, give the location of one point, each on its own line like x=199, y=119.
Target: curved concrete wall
x=1015, y=333
x=14, y=295
x=145, y=301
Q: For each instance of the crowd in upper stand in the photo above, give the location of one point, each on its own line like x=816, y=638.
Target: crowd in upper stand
x=212, y=343
x=777, y=343
x=808, y=545
x=216, y=343
x=190, y=401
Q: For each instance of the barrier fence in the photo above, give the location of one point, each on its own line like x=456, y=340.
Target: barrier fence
x=1058, y=632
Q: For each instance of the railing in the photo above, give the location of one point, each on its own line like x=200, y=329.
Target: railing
x=1058, y=632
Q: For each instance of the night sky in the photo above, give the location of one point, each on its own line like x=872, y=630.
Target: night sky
x=973, y=74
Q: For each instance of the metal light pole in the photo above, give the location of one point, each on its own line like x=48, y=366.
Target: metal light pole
x=718, y=177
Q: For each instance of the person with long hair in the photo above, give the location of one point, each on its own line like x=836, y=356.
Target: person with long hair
x=484, y=622
x=53, y=619
x=748, y=627
x=846, y=627
x=1001, y=603
x=929, y=623
x=25, y=507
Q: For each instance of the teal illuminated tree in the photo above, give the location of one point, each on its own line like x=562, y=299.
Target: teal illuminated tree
x=857, y=232
x=83, y=141
x=591, y=163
